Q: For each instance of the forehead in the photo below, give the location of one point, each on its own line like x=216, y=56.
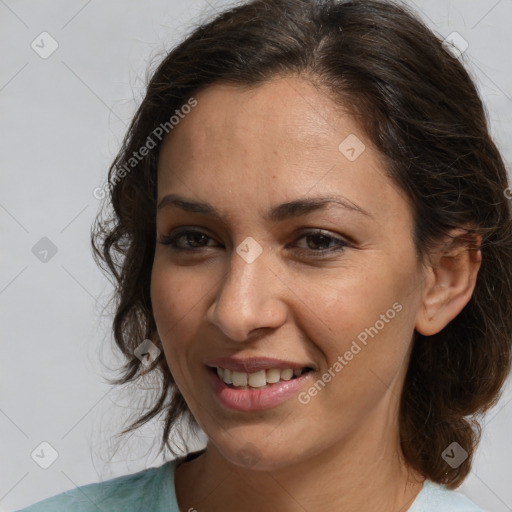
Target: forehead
x=291, y=109
x=277, y=141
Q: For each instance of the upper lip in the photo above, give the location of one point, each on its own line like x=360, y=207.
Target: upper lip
x=253, y=364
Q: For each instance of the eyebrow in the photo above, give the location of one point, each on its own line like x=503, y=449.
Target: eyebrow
x=277, y=213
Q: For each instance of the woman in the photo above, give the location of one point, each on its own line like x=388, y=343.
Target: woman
x=309, y=238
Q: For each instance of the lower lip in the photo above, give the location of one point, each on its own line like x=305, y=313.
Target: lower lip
x=256, y=399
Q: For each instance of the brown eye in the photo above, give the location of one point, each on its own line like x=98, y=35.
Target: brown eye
x=319, y=242
x=193, y=240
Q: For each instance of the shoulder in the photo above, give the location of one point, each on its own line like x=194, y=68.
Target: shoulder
x=438, y=498
x=149, y=489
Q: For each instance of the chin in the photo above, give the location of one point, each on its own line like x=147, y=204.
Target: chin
x=259, y=456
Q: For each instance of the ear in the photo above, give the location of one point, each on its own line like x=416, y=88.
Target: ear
x=450, y=281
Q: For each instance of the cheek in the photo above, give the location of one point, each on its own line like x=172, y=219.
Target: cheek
x=173, y=292
x=162, y=300
x=365, y=317
x=166, y=311
x=176, y=297
x=346, y=302
x=374, y=350
x=169, y=304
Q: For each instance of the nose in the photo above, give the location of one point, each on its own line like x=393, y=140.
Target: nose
x=250, y=299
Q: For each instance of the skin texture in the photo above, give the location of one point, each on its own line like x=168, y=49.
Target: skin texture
x=245, y=151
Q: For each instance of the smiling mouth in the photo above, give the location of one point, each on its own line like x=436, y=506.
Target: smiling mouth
x=259, y=379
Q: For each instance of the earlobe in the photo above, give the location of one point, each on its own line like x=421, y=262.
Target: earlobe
x=451, y=281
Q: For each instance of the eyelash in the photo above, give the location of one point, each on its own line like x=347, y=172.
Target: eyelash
x=172, y=242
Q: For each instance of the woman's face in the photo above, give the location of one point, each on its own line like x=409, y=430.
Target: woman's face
x=335, y=287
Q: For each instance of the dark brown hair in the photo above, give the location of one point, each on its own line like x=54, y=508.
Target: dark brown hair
x=420, y=108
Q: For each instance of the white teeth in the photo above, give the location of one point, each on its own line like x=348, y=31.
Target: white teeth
x=239, y=379
x=257, y=379
x=228, y=379
x=287, y=374
x=273, y=375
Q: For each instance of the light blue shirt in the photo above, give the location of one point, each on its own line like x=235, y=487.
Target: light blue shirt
x=153, y=490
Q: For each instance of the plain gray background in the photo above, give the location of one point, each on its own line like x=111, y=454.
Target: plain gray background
x=62, y=120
